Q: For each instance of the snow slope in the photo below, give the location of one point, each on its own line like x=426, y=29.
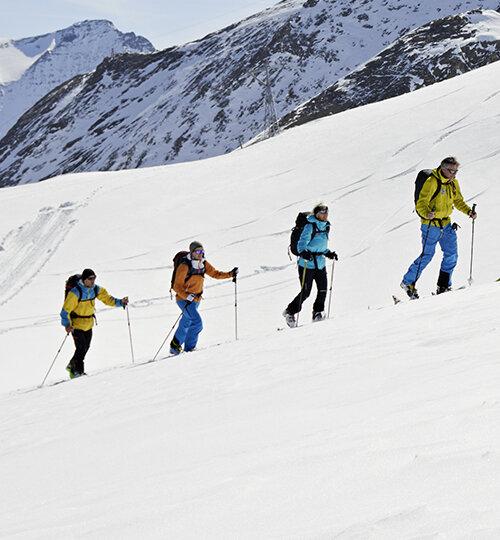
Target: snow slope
x=378, y=423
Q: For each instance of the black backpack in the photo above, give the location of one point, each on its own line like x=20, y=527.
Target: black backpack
x=300, y=222
x=72, y=282
x=180, y=258
x=422, y=176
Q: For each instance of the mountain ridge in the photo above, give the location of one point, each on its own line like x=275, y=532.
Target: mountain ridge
x=432, y=53
x=201, y=100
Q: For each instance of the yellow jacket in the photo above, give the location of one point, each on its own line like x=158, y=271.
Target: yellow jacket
x=78, y=312
x=194, y=285
x=449, y=196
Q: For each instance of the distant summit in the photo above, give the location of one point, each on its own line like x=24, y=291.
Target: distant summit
x=31, y=67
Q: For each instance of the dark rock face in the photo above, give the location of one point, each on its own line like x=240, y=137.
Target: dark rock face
x=432, y=53
x=200, y=100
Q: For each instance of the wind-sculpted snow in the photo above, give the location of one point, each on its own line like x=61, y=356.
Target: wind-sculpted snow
x=44, y=62
x=200, y=100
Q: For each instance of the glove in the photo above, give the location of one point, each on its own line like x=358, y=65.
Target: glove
x=234, y=273
x=190, y=298
x=307, y=255
x=331, y=255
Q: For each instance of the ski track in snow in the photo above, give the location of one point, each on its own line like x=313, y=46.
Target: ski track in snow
x=404, y=147
x=24, y=251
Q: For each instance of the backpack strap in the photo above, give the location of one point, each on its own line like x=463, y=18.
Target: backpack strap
x=439, y=184
x=80, y=292
x=436, y=193
x=315, y=230
x=73, y=315
x=189, y=273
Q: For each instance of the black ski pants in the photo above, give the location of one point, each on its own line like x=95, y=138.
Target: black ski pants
x=321, y=280
x=82, y=341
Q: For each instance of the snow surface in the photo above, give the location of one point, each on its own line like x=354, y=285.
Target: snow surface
x=381, y=422
x=13, y=61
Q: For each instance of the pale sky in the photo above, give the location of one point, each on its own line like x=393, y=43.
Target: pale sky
x=163, y=22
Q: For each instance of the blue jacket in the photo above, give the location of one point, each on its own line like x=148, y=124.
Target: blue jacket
x=317, y=244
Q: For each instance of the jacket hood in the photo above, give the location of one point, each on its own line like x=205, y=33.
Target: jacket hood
x=313, y=219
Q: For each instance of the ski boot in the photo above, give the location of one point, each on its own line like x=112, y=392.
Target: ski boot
x=443, y=283
x=318, y=316
x=441, y=290
x=410, y=290
x=175, y=347
x=290, y=319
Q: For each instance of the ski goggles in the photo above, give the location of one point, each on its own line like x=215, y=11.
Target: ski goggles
x=199, y=252
x=323, y=210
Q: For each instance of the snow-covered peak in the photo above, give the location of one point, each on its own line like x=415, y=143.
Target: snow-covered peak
x=31, y=67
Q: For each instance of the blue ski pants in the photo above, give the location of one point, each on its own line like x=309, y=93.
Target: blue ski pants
x=447, y=239
x=190, y=325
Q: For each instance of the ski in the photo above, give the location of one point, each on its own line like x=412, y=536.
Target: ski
x=398, y=300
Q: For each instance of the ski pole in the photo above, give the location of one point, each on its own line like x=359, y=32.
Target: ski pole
x=301, y=291
x=130, y=336
x=54, y=361
x=174, y=325
x=235, y=309
x=472, y=244
x=331, y=285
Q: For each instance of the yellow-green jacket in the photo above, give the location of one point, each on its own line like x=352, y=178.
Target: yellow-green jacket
x=449, y=196
x=78, y=312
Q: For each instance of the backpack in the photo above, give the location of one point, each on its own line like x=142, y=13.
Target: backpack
x=300, y=222
x=422, y=176
x=72, y=282
x=180, y=258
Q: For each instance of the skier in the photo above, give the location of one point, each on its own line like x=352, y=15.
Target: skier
x=313, y=248
x=188, y=286
x=77, y=316
x=436, y=225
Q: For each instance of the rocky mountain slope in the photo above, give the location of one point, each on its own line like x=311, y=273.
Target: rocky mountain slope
x=434, y=52
x=201, y=100
x=32, y=67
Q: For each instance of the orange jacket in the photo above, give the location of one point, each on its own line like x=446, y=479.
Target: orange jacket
x=194, y=285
